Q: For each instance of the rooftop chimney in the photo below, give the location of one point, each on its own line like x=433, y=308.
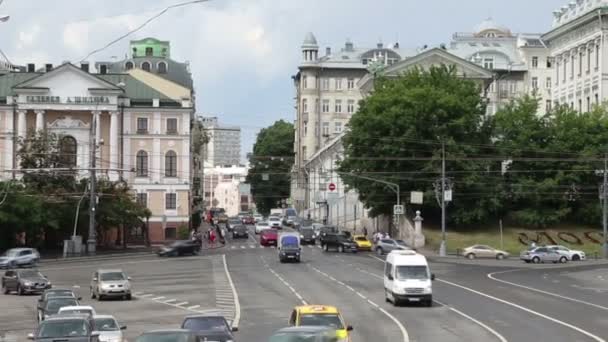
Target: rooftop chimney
x=48, y=67
x=103, y=69
x=396, y=46
x=380, y=45
x=84, y=67
x=327, y=51
x=349, y=45
x=31, y=67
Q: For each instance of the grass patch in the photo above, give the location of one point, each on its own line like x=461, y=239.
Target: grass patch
x=491, y=236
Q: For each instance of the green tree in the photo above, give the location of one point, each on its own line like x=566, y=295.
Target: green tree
x=272, y=157
x=397, y=136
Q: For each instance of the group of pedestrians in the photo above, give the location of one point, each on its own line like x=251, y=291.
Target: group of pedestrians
x=213, y=234
x=379, y=236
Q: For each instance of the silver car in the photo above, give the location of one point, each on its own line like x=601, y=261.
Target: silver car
x=542, y=254
x=17, y=257
x=110, y=283
x=108, y=328
x=385, y=246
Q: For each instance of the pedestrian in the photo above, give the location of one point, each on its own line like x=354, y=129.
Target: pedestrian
x=364, y=231
x=212, y=238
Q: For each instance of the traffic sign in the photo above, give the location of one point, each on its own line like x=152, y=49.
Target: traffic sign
x=332, y=187
x=398, y=209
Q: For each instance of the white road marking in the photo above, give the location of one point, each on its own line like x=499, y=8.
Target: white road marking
x=299, y=296
x=237, y=305
x=243, y=247
x=134, y=293
x=492, y=276
x=251, y=246
x=406, y=336
x=159, y=298
x=233, y=247
x=147, y=295
x=193, y=307
x=170, y=301
x=481, y=324
x=181, y=304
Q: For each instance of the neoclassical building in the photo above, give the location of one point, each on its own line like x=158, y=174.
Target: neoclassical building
x=140, y=122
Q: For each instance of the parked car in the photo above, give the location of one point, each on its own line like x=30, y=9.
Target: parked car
x=51, y=306
x=110, y=283
x=307, y=235
x=484, y=251
x=108, y=328
x=338, y=242
x=363, y=243
x=77, y=310
x=210, y=328
x=178, y=248
x=573, y=255
x=24, y=281
x=68, y=328
x=305, y=333
x=275, y=222
x=179, y=335
x=19, y=257
x=542, y=254
x=384, y=246
x=260, y=226
x=269, y=237
x=240, y=231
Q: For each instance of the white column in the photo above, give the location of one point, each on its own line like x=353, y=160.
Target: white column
x=39, y=120
x=97, y=123
x=21, y=124
x=114, y=144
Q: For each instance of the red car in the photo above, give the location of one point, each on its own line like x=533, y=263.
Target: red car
x=269, y=237
x=249, y=220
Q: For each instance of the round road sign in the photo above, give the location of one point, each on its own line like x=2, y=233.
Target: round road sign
x=332, y=187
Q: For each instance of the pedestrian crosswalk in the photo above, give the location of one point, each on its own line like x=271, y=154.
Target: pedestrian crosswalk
x=252, y=246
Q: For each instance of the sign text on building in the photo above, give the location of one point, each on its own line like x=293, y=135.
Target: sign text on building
x=68, y=99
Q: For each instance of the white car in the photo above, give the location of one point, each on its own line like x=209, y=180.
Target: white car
x=258, y=218
x=108, y=328
x=261, y=226
x=79, y=309
x=275, y=222
x=573, y=255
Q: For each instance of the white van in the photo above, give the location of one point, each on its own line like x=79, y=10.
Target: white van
x=407, y=278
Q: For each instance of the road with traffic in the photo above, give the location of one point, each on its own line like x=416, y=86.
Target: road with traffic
x=474, y=300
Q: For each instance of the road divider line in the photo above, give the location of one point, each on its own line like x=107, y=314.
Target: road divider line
x=146, y=295
x=237, y=305
x=181, y=304
x=492, y=276
x=481, y=324
x=299, y=296
x=193, y=307
x=170, y=301
x=159, y=298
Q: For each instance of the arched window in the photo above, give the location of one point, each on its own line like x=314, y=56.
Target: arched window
x=162, y=68
x=129, y=65
x=170, y=164
x=68, y=151
x=145, y=66
x=141, y=164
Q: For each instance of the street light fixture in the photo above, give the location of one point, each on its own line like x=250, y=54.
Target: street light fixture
x=4, y=18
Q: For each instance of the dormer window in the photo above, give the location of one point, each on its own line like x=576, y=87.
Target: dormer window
x=491, y=35
x=149, y=52
x=134, y=52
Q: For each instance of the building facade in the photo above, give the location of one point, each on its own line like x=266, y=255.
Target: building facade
x=224, y=187
x=224, y=147
x=578, y=45
x=140, y=123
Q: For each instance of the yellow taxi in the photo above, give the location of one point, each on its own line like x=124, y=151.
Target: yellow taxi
x=321, y=315
x=363, y=244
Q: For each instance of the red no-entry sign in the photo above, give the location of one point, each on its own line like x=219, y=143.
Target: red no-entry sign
x=332, y=187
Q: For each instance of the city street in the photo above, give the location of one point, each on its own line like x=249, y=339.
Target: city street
x=472, y=302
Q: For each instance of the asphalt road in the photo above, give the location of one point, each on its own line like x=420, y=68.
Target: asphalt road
x=475, y=301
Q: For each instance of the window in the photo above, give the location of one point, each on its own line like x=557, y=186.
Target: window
x=304, y=82
x=141, y=164
x=68, y=149
x=338, y=106
x=580, y=63
x=134, y=52
x=305, y=130
x=171, y=164
x=550, y=62
x=350, y=83
x=170, y=201
x=316, y=105
x=338, y=127
x=589, y=53
x=129, y=65
x=548, y=106
x=548, y=83
x=303, y=152
x=580, y=105
x=325, y=84
x=162, y=68
x=172, y=126
x=142, y=125
x=338, y=84
x=149, y=52
x=588, y=104
x=488, y=63
x=572, y=66
x=597, y=56
x=325, y=108
x=304, y=106
x=103, y=69
x=535, y=83
x=350, y=106
x=326, y=128
x=565, y=69
x=597, y=99
x=170, y=233
x=142, y=199
x=146, y=66
x=534, y=62
x=557, y=74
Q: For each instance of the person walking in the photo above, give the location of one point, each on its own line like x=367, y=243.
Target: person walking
x=364, y=231
x=212, y=238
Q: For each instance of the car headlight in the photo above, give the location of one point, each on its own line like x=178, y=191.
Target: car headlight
x=27, y=283
x=428, y=289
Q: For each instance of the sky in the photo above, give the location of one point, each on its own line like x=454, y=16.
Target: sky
x=243, y=53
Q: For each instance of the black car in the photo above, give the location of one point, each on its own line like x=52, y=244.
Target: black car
x=66, y=328
x=307, y=235
x=52, y=305
x=52, y=293
x=338, y=242
x=179, y=335
x=24, y=281
x=233, y=222
x=178, y=248
x=240, y=231
x=209, y=328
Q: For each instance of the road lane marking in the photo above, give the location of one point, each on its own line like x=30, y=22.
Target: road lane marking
x=481, y=324
x=159, y=298
x=181, y=304
x=406, y=336
x=243, y=247
x=237, y=305
x=492, y=276
x=251, y=246
x=147, y=295
x=299, y=296
x=170, y=301
x=134, y=293
x=193, y=307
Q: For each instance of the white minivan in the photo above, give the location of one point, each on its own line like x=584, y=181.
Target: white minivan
x=407, y=278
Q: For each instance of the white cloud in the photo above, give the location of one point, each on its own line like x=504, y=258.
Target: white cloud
x=28, y=38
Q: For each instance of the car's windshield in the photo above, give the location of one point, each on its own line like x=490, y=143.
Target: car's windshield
x=112, y=276
x=401, y=243
x=343, y=238
x=326, y=320
x=206, y=324
x=412, y=272
x=30, y=274
x=11, y=253
x=262, y=224
x=360, y=238
x=106, y=324
x=163, y=337
x=53, y=305
x=303, y=337
x=63, y=328
x=307, y=230
x=176, y=244
x=60, y=293
x=77, y=311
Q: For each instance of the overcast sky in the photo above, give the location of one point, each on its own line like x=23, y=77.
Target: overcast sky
x=244, y=52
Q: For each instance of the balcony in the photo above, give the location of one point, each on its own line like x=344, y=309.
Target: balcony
x=142, y=131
